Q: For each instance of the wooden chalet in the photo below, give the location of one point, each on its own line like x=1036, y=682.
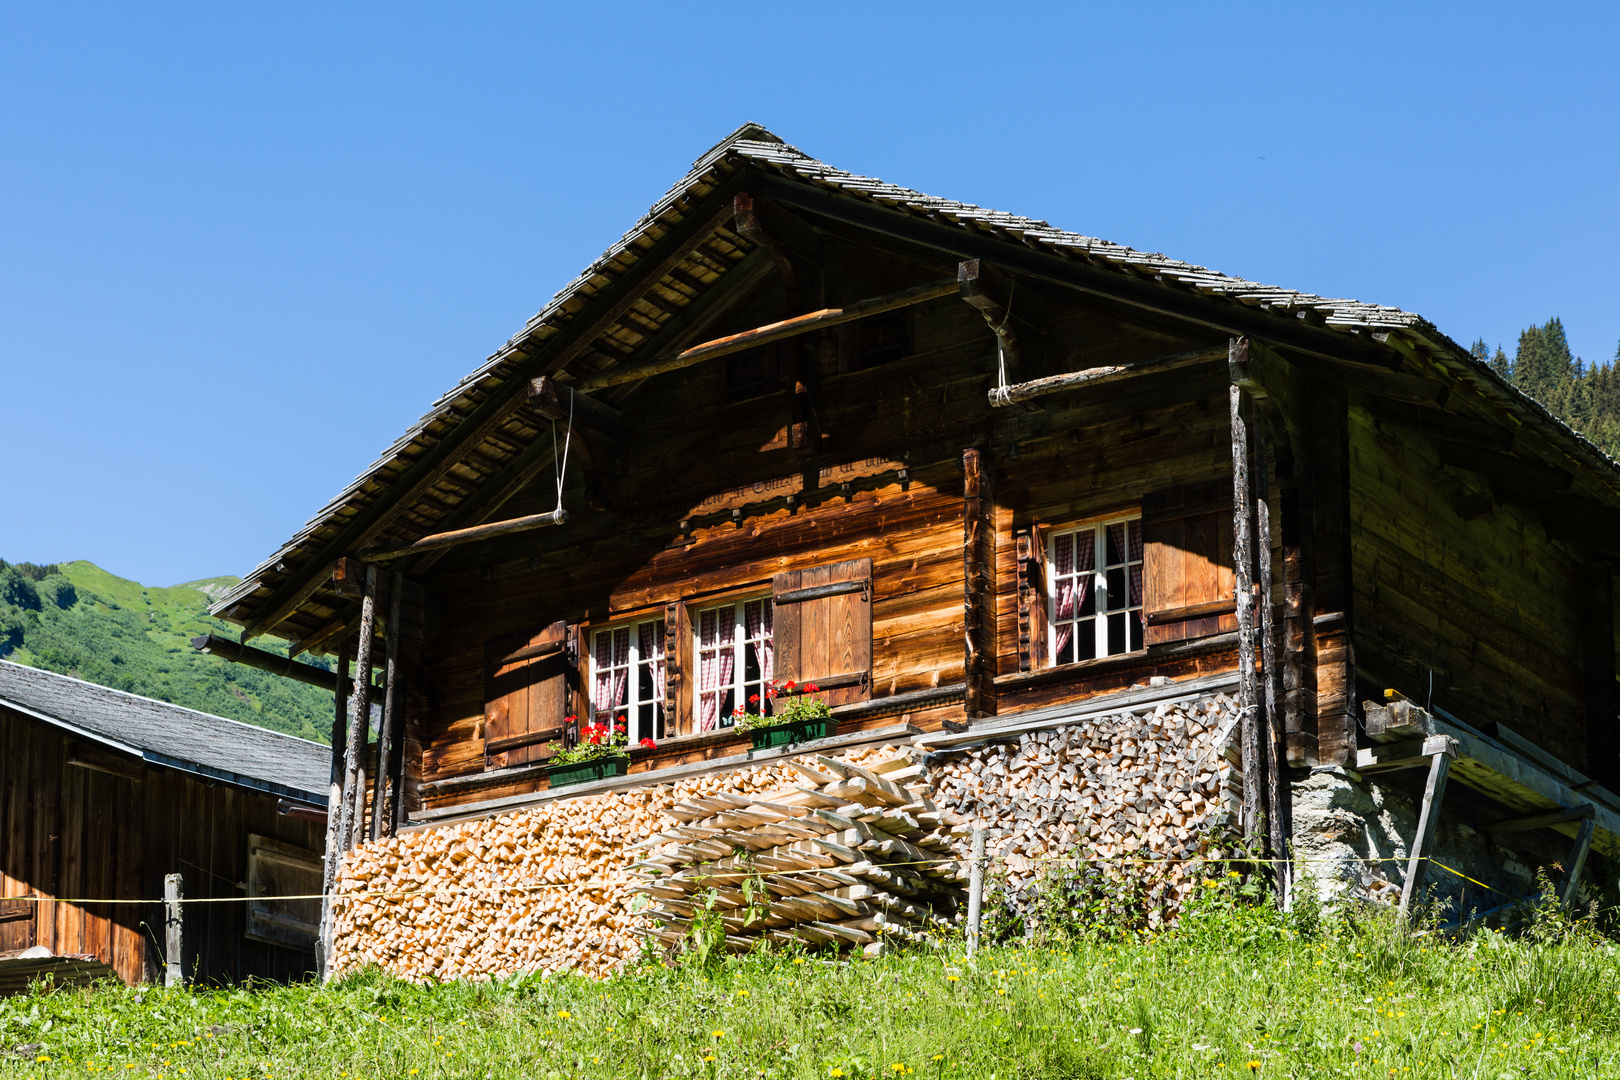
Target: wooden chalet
x=965, y=470
x=104, y=794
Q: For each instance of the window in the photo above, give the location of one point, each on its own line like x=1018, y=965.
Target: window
x=736, y=657
x=277, y=870
x=874, y=340
x=754, y=372
x=627, y=678
x=1095, y=591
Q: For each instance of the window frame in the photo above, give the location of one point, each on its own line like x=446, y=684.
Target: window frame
x=1098, y=590
x=637, y=727
x=740, y=684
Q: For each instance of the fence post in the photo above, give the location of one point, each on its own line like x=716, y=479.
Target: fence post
x=975, y=892
x=174, y=973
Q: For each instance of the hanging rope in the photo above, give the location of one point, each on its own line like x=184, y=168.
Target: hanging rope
x=1001, y=394
x=562, y=462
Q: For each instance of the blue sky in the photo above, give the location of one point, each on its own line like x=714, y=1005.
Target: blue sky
x=241, y=249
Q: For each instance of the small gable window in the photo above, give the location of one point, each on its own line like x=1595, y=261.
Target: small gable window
x=874, y=340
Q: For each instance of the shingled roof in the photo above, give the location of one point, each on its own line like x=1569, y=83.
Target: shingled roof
x=169, y=735
x=614, y=311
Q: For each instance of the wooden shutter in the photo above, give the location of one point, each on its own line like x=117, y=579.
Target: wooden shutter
x=1188, y=590
x=822, y=626
x=531, y=684
x=1032, y=611
x=678, y=672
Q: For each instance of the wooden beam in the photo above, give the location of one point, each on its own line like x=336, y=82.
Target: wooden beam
x=318, y=641
x=285, y=666
x=532, y=359
x=989, y=291
x=1407, y=754
x=559, y=401
x=1078, y=272
x=434, y=541
x=706, y=308
x=1576, y=862
x=978, y=582
x=1584, y=812
x=1417, y=863
x=1504, y=466
x=761, y=335
x=1098, y=376
x=495, y=493
x=749, y=225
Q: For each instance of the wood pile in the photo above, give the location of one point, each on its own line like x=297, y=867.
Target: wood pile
x=545, y=888
x=848, y=856
x=1132, y=792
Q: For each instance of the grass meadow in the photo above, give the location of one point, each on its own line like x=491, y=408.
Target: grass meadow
x=1232, y=992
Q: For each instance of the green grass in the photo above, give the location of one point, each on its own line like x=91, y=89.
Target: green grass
x=119, y=633
x=1228, y=995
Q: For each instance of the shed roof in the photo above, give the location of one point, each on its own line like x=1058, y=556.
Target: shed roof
x=179, y=738
x=470, y=443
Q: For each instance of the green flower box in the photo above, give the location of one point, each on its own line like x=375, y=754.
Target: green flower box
x=796, y=731
x=583, y=772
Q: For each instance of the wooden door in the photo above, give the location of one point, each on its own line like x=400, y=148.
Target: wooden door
x=1189, y=589
x=823, y=628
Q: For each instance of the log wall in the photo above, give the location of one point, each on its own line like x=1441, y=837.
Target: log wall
x=1487, y=605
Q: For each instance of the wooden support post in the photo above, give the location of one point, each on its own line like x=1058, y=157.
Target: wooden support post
x=1273, y=753
x=975, y=892
x=978, y=582
x=385, y=734
x=748, y=225
x=174, y=972
x=354, y=773
x=1333, y=615
x=1243, y=573
x=334, y=805
x=1417, y=862
x=1577, y=862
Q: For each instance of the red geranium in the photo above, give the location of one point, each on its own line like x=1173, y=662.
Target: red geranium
x=649, y=744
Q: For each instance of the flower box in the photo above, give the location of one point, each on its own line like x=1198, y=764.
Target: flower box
x=583, y=772
x=794, y=731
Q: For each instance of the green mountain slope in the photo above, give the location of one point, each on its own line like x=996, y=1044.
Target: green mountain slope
x=77, y=619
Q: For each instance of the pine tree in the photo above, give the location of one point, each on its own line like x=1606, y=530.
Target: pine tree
x=1502, y=365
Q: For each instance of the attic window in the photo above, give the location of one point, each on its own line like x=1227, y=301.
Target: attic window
x=753, y=372
x=877, y=339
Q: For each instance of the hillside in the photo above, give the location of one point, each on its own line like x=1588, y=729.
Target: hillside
x=77, y=619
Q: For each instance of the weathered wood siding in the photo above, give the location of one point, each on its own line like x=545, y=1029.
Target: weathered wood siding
x=1487, y=605
x=1077, y=456
x=73, y=833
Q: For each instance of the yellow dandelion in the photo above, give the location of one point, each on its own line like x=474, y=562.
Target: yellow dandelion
x=953, y=978
x=718, y=1034
x=565, y=1014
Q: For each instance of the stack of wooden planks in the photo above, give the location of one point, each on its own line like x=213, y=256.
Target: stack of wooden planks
x=1133, y=793
x=849, y=856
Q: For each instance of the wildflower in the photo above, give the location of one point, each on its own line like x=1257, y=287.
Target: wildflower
x=708, y=1057
x=953, y=978
x=939, y=1057
x=1254, y=1066
x=565, y=1014
x=742, y=993
x=798, y=959
x=835, y=1072
x=718, y=1034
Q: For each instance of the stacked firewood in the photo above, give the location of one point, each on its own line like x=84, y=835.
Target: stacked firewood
x=849, y=856
x=1131, y=794
x=546, y=888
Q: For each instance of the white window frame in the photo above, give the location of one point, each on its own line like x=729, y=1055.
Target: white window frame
x=1098, y=588
x=740, y=687
x=638, y=727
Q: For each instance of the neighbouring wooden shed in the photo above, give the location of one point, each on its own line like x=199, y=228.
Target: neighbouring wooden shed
x=104, y=793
